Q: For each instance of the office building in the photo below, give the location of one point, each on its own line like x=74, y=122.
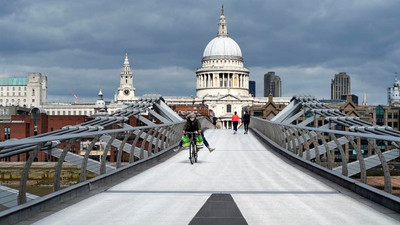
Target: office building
x=272, y=85
x=252, y=88
x=340, y=85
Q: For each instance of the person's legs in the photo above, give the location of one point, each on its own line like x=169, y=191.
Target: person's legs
x=246, y=127
x=235, y=124
x=206, y=143
x=179, y=147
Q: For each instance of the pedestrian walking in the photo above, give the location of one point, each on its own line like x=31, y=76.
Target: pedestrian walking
x=246, y=122
x=235, y=122
x=214, y=119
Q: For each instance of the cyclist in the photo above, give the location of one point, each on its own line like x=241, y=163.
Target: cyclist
x=193, y=125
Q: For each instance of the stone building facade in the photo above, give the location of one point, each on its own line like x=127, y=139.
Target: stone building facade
x=28, y=91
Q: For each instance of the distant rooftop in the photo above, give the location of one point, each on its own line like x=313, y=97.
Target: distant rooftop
x=13, y=81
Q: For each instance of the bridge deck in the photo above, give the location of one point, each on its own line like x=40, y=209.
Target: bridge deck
x=266, y=189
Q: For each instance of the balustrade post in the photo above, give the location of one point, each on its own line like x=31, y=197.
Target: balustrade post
x=157, y=147
x=327, y=150
x=385, y=167
x=82, y=176
x=133, y=147
x=121, y=148
x=25, y=174
x=105, y=152
x=57, y=174
x=345, y=171
x=360, y=158
x=141, y=156
x=300, y=145
x=305, y=142
x=164, y=138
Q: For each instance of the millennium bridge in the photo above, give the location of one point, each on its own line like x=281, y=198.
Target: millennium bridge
x=279, y=173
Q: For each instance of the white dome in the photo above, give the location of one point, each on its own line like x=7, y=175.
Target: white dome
x=222, y=46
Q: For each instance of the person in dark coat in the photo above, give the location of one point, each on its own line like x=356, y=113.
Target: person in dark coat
x=214, y=119
x=246, y=122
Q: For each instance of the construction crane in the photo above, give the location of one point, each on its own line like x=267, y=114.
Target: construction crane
x=77, y=100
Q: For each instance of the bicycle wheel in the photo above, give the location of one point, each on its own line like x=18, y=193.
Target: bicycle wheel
x=195, y=153
x=191, y=156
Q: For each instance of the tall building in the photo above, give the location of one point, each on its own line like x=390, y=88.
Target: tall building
x=126, y=91
x=394, y=93
x=252, y=88
x=272, y=85
x=28, y=91
x=340, y=85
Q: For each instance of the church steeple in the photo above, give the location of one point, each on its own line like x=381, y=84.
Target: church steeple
x=126, y=91
x=126, y=62
x=364, y=102
x=222, y=27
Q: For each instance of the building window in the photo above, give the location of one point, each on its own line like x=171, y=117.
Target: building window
x=33, y=92
x=395, y=115
x=379, y=115
x=228, y=108
x=7, y=133
x=33, y=100
x=390, y=115
x=390, y=124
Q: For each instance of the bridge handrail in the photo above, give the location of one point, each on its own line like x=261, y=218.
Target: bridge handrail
x=319, y=145
x=314, y=149
x=11, y=143
x=338, y=132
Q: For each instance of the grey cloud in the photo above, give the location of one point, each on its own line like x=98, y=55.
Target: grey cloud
x=76, y=42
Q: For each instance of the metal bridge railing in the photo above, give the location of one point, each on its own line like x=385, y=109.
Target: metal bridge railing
x=332, y=148
x=103, y=145
x=129, y=145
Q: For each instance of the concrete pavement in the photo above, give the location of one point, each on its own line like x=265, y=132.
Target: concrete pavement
x=265, y=188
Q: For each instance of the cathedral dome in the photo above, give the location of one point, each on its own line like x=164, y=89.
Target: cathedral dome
x=222, y=47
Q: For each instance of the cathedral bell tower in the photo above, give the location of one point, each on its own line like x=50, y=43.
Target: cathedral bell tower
x=126, y=91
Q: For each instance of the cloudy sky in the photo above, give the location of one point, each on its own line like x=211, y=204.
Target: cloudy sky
x=80, y=45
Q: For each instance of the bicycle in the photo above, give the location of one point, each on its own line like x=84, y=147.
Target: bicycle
x=193, y=147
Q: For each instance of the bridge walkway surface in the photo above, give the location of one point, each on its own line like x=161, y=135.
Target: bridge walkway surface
x=241, y=182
